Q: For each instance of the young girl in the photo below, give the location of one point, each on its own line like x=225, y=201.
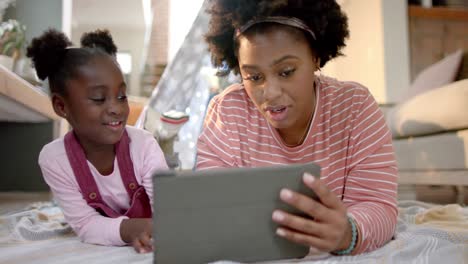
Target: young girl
x=100, y=172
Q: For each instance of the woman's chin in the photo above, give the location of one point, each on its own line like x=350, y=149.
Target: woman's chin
x=279, y=124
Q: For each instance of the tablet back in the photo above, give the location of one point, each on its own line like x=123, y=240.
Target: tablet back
x=224, y=214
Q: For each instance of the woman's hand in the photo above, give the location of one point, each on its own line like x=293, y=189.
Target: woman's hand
x=138, y=232
x=328, y=231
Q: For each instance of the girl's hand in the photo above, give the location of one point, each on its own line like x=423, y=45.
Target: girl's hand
x=328, y=231
x=143, y=243
x=137, y=232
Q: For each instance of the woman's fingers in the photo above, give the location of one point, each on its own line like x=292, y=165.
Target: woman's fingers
x=323, y=236
x=324, y=194
x=304, y=203
x=302, y=225
x=329, y=228
x=304, y=239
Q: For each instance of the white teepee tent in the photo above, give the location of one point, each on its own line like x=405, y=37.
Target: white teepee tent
x=184, y=86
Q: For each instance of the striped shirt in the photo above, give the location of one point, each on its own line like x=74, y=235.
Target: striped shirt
x=348, y=138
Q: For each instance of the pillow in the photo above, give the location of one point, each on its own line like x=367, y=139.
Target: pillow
x=463, y=72
x=438, y=74
x=435, y=111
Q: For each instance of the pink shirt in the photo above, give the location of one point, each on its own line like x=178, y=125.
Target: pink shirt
x=89, y=225
x=348, y=138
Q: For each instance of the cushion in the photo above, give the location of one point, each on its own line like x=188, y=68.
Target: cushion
x=463, y=73
x=438, y=74
x=438, y=110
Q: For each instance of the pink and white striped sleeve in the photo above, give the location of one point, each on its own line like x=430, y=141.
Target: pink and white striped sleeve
x=371, y=186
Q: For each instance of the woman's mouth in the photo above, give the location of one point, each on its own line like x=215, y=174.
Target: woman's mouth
x=277, y=113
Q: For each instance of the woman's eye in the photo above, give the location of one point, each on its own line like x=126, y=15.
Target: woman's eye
x=254, y=78
x=287, y=72
x=122, y=98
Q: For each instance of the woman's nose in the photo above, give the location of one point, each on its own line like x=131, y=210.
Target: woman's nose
x=272, y=90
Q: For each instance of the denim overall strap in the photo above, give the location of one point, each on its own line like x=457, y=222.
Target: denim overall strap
x=85, y=179
x=139, y=200
x=124, y=160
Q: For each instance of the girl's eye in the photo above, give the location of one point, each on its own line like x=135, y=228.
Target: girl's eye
x=122, y=98
x=287, y=72
x=98, y=100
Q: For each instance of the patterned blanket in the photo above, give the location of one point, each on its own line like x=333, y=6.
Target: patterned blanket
x=425, y=234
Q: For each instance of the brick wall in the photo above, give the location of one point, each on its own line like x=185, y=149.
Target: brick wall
x=158, y=46
x=158, y=51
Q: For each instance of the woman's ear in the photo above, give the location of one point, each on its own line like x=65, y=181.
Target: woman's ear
x=58, y=103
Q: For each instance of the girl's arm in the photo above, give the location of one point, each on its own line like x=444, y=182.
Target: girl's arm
x=149, y=157
x=131, y=228
x=89, y=225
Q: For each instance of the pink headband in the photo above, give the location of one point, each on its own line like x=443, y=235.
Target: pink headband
x=288, y=21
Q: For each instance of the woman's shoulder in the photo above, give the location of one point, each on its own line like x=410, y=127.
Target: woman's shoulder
x=342, y=94
x=233, y=94
x=233, y=101
x=331, y=85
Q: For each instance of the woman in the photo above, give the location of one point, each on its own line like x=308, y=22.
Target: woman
x=283, y=113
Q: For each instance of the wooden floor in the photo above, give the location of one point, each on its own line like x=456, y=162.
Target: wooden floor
x=16, y=201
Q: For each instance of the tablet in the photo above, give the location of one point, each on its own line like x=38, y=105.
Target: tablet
x=224, y=214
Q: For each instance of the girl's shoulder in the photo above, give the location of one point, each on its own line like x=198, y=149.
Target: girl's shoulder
x=53, y=150
x=139, y=136
x=134, y=132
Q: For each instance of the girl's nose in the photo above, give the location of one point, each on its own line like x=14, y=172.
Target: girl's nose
x=115, y=108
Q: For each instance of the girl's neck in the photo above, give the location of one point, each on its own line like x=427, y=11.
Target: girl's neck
x=100, y=155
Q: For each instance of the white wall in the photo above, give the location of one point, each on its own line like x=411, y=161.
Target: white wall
x=377, y=52
x=396, y=48
x=180, y=22
x=127, y=40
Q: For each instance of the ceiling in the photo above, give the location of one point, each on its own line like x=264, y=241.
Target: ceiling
x=112, y=13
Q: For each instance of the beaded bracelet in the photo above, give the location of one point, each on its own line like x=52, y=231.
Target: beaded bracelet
x=352, y=245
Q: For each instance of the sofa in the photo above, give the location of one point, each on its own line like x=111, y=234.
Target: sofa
x=430, y=131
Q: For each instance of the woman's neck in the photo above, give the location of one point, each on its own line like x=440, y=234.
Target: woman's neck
x=296, y=135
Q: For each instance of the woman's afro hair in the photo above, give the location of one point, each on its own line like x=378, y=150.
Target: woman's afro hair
x=324, y=17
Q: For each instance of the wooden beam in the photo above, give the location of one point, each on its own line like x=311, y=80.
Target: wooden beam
x=22, y=92
x=434, y=177
x=444, y=13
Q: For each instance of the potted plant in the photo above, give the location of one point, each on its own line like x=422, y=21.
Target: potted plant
x=12, y=42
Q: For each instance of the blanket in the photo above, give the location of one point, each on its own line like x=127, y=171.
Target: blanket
x=425, y=233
